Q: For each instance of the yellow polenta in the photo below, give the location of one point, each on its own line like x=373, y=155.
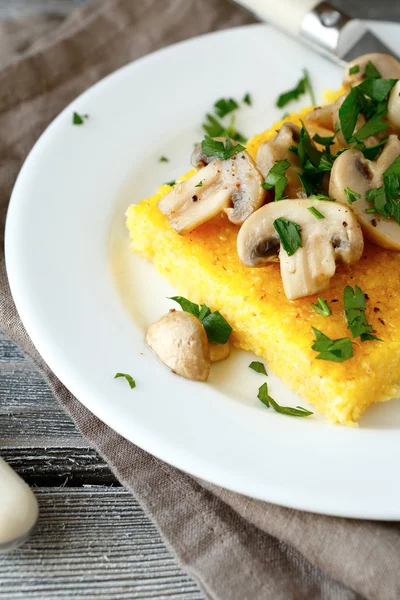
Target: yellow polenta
x=204, y=266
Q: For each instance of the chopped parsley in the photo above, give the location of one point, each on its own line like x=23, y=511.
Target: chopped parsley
x=377, y=89
x=215, y=128
x=276, y=178
x=334, y=350
x=354, y=308
x=303, y=86
x=171, y=183
x=247, y=99
x=322, y=307
x=315, y=212
x=224, y=106
x=370, y=152
x=78, y=119
x=289, y=235
x=129, y=379
x=258, y=367
x=371, y=71
x=217, y=328
x=269, y=402
x=163, y=159
x=200, y=184
x=386, y=198
x=351, y=196
x=354, y=69
x=212, y=147
x=324, y=141
x=323, y=197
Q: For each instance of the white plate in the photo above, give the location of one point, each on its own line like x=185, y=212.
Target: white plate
x=86, y=302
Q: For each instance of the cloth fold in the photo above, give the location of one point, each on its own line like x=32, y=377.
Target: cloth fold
x=235, y=547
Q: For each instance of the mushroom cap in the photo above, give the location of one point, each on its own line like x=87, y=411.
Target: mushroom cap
x=393, y=115
x=324, y=241
x=180, y=341
x=215, y=187
x=386, y=64
x=351, y=169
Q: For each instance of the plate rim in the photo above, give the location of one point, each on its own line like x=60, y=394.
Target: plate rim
x=200, y=472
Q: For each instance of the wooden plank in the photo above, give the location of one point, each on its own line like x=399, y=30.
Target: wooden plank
x=93, y=543
x=67, y=467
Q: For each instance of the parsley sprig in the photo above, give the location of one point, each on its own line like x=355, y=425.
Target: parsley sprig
x=386, y=198
x=217, y=328
x=303, y=86
x=277, y=179
x=354, y=308
x=217, y=149
x=334, y=350
x=269, y=402
x=289, y=234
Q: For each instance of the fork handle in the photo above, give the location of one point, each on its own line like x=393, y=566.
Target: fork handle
x=285, y=14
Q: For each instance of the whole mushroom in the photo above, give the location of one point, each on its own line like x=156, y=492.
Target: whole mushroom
x=180, y=341
x=232, y=185
x=310, y=268
x=352, y=170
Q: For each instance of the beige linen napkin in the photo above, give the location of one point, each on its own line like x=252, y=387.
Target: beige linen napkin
x=236, y=548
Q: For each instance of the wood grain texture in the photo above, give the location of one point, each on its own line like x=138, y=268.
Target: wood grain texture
x=93, y=544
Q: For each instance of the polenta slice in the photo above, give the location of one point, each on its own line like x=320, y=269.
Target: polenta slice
x=204, y=266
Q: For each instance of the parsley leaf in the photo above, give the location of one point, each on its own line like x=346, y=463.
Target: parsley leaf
x=187, y=305
x=200, y=184
x=225, y=106
x=374, y=125
x=306, y=149
x=171, y=183
x=323, y=197
x=354, y=308
x=351, y=196
x=378, y=197
x=377, y=89
x=289, y=235
x=354, y=69
x=334, y=350
x=163, y=159
x=258, y=367
x=247, y=99
x=129, y=378
x=217, y=328
x=370, y=152
x=215, y=128
x=303, y=86
x=212, y=147
x=322, y=307
x=324, y=141
x=266, y=399
x=276, y=178
x=315, y=212
x=349, y=111
x=78, y=119
x=371, y=71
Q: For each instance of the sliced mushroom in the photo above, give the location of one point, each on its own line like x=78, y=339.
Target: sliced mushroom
x=199, y=159
x=386, y=64
x=309, y=270
x=220, y=351
x=322, y=116
x=215, y=187
x=351, y=169
x=180, y=341
x=278, y=149
x=393, y=115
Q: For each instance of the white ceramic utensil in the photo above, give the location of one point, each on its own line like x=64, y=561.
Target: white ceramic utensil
x=18, y=509
x=326, y=28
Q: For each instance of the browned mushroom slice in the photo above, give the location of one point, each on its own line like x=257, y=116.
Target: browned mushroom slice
x=233, y=185
x=353, y=171
x=310, y=268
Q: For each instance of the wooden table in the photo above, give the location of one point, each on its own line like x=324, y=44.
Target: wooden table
x=93, y=540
